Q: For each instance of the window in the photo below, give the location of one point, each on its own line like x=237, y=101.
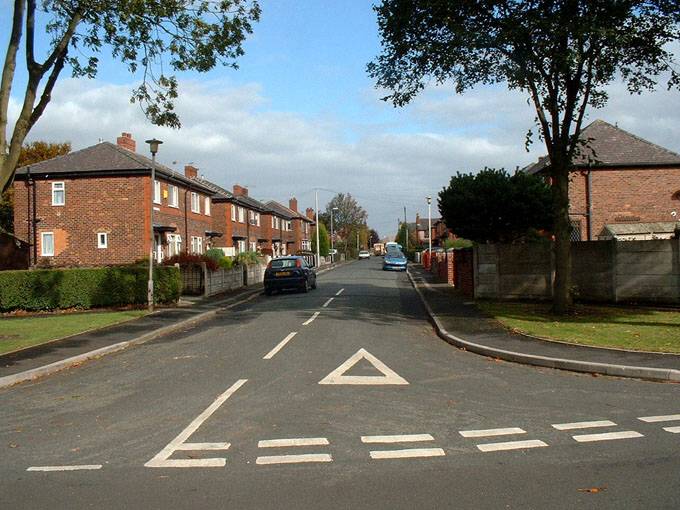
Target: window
x=196, y=244
x=58, y=193
x=173, y=196
x=195, y=204
x=174, y=244
x=257, y=219
x=253, y=246
x=289, y=226
x=156, y=192
x=47, y=244
x=273, y=222
x=241, y=245
x=207, y=206
x=241, y=215
x=233, y=212
x=102, y=240
x=575, y=230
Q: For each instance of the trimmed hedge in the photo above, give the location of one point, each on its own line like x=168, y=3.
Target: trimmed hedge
x=49, y=289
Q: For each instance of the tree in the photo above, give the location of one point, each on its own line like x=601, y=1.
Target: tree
x=348, y=219
x=195, y=36
x=561, y=53
x=373, y=237
x=324, y=240
x=493, y=206
x=30, y=154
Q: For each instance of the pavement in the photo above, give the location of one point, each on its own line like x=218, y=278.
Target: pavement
x=461, y=323
x=343, y=397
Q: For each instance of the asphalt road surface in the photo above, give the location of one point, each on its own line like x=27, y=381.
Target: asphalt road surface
x=339, y=398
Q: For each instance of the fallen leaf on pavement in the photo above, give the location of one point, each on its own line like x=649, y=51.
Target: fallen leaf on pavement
x=593, y=490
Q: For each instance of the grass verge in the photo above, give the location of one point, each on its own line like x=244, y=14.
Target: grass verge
x=21, y=332
x=639, y=329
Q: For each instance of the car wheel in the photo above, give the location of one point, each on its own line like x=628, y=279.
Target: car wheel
x=314, y=284
x=268, y=292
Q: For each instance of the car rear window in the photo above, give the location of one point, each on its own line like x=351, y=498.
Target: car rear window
x=283, y=263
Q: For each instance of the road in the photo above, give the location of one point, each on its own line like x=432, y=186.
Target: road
x=339, y=398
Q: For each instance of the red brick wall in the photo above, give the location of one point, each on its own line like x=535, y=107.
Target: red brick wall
x=618, y=196
x=464, y=272
x=222, y=223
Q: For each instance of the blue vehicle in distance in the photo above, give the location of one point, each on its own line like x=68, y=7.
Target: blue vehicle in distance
x=395, y=260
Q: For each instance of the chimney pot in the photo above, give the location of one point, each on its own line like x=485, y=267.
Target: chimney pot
x=292, y=203
x=240, y=191
x=125, y=141
x=190, y=171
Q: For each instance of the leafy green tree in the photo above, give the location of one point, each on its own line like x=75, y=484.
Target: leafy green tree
x=30, y=153
x=324, y=240
x=149, y=37
x=348, y=219
x=493, y=206
x=562, y=54
x=373, y=237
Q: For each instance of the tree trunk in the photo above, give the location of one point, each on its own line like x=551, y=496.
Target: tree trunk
x=562, y=296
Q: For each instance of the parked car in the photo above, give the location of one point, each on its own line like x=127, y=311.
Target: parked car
x=395, y=261
x=289, y=273
x=364, y=254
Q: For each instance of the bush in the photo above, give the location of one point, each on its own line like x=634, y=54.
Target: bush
x=192, y=259
x=49, y=289
x=226, y=263
x=458, y=243
x=247, y=257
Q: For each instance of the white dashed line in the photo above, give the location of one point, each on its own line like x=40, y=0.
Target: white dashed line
x=294, y=459
x=672, y=430
x=511, y=445
x=311, y=319
x=607, y=436
x=325, y=305
x=491, y=432
x=340, y=292
x=584, y=425
x=298, y=441
x=162, y=458
x=655, y=419
x=279, y=346
x=404, y=438
x=408, y=454
x=65, y=468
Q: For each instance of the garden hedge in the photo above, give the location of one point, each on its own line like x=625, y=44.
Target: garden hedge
x=49, y=289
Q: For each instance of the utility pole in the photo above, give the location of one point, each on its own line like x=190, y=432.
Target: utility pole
x=153, y=147
x=316, y=204
x=429, y=223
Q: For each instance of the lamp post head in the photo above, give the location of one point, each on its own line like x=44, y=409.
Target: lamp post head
x=153, y=145
x=429, y=200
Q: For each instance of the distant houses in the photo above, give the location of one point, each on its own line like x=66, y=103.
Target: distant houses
x=93, y=207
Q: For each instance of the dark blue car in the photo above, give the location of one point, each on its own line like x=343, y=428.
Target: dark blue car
x=395, y=260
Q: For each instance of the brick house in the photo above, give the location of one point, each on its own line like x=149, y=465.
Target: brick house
x=621, y=186
x=93, y=207
x=296, y=228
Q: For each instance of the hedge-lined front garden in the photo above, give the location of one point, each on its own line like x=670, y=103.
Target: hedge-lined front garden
x=50, y=289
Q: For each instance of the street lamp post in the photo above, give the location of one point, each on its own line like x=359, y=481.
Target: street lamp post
x=153, y=147
x=429, y=223
x=332, y=236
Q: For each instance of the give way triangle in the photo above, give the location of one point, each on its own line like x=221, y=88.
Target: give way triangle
x=388, y=376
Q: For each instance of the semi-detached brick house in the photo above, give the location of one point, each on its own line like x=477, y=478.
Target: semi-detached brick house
x=621, y=186
x=296, y=228
x=92, y=207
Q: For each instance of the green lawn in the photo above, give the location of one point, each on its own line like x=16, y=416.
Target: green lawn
x=20, y=332
x=605, y=326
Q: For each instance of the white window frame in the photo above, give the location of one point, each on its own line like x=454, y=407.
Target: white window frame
x=241, y=215
x=156, y=192
x=233, y=212
x=257, y=219
x=174, y=244
x=273, y=222
x=55, y=185
x=105, y=243
x=206, y=206
x=241, y=245
x=173, y=196
x=44, y=253
x=196, y=245
x=195, y=203
x=253, y=246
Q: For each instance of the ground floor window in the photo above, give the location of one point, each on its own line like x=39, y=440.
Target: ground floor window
x=575, y=230
x=241, y=246
x=174, y=244
x=307, y=245
x=196, y=244
x=253, y=246
x=102, y=240
x=157, y=248
x=47, y=244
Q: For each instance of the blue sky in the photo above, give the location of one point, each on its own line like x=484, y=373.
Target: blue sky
x=301, y=113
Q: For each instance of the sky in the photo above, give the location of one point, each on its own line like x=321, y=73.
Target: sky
x=301, y=114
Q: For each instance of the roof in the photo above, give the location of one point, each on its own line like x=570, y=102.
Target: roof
x=105, y=158
x=659, y=227
x=285, y=212
x=608, y=146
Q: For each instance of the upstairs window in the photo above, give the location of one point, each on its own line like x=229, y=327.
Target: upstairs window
x=195, y=204
x=58, y=193
x=156, y=192
x=233, y=212
x=241, y=215
x=257, y=219
x=207, y=206
x=173, y=196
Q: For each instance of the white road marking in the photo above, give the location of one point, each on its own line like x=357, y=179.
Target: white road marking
x=583, y=425
x=325, y=305
x=340, y=292
x=162, y=458
x=672, y=430
x=407, y=454
x=311, y=319
x=298, y=441
x=655, y=419
x=404, y=438
x=607, y=436
x=279, y=346
x=203, y=446
x=492, y=432
x=511, y=445
x=65, y=468
x=294, y=459
x=389, y=376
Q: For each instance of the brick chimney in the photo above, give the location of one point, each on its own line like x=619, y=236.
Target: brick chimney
x=240, y=191
x=190, y=171
x=310, y=213
x=292, y=204
x=126, y=141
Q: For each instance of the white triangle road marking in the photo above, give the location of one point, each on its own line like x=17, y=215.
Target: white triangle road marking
x=389, y=376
